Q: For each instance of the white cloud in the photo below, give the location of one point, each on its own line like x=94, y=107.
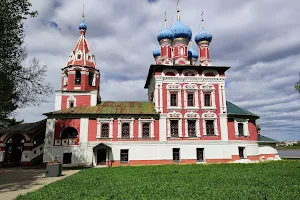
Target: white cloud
x=259, y=39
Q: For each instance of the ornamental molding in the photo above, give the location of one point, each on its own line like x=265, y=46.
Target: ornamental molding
x=173, y=86
x=191, y=115
x=171, y=79
x=190, y=70
x=207, y=87
x=210, y=71
x=190, y=86
x=174, y=114
x=170, y=70
x=209, y=115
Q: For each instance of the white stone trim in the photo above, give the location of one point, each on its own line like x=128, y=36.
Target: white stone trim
x=110, y=122
x=94, y=97
x=131, y=124
x=245, y=127
x=174, y=87
x=193, y=88
x=192, y=116
x=140, y=127
x=194, y=79
x=208, y=88
x=71, y=99
x=210, y=116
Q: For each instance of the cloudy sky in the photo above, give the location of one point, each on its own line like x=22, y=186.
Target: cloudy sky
x=258, y=39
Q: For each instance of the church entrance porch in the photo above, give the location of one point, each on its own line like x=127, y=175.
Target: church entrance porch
x=13, y=150
x=102, y=155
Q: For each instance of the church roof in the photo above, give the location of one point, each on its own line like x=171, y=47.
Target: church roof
x=262, y=138
x=235, y=110
x=112, y=108
x=24, y=127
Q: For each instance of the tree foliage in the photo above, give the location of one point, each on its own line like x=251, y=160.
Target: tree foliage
x=297, y=86
x=20, y=85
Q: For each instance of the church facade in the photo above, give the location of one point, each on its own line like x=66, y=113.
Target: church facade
x=185, y=120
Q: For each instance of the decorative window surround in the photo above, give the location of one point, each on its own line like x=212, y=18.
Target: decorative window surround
x=130, y=122
x=78, y=55
x=210, y=116
x=101, y=121
x=174, y=116
x=170, y=70
x=192, y=116
x=58, y=142
x=195, y=79
x=174, y=88
x=71, y=99
x=151, y=122
x=210, y=71
x=65, y=79
x=208, y=88
x=192, y=88
x=246, y=128
x=190, y=70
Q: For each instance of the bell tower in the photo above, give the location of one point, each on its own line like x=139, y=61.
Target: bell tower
x=80, y=76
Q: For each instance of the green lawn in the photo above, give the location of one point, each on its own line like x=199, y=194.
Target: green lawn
x=270, y=180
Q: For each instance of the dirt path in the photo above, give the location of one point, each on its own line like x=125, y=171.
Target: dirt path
x=17, y=181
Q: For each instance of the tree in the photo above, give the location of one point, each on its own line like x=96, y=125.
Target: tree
x=297, y=85
x=20, y=85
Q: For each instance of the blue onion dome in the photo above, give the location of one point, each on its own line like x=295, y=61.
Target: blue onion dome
x=204, y=35
x=156, y=52
x=193, y=53
x=82, y=25
x=165, y=34
x=181, y=31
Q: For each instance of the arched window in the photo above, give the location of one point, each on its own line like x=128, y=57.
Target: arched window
x=91, y=78
x=104, y=130
x=174, y=128
x=77, y=77
x=207, y=100
x=146, y=130
x=69, y=132
x=241, y=129
x=125, y=130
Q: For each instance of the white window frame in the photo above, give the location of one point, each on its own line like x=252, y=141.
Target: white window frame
x=131, y=124
x=151, y=127
x=110, y=122
x=71, y=99
x=245, y=126
x=210, y=116
x=211, y=89
x=79, y=53
x=174, y=116
x=174, y=87
x=191, y=88
x=192, y=116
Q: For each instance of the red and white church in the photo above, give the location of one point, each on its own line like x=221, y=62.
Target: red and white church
x=185, y=120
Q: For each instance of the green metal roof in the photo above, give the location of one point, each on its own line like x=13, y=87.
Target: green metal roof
x=233, y=109
x=262, y=138
x=111, y=108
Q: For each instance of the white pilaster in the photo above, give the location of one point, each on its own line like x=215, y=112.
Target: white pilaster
x=198, y=128
x=246, y=128
x=180, y=127
x=162, y=128
x=94, y=98
x=49, y=135
x=131, y=128
x=223, y=126
x=58, y=98
x=84, y=129
x=186, y=128
x=152, y=129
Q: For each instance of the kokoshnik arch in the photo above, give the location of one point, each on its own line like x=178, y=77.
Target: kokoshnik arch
x=185, y=120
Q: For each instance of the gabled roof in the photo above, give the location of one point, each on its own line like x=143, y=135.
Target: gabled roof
x=111, y=108
x=265, y=139
x=24, y=127
x=234, y=110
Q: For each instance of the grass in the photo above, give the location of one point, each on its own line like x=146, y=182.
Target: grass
x=269, y=180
